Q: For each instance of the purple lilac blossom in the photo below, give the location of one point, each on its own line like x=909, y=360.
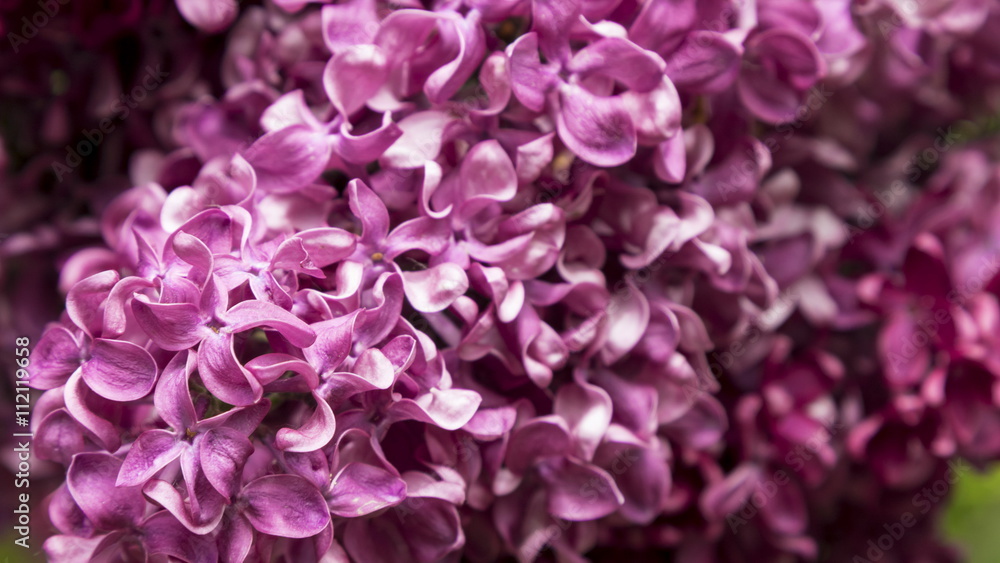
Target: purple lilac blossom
x=537, y=279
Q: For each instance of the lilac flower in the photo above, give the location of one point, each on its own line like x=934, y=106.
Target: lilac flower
x=119, y=517
x=524, y=279
x=210, y=325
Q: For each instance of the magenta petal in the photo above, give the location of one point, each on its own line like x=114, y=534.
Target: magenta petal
x=366, y=147
x=349, y=23
x=598, y=129
x=619, y=58
x=487, y=173
x=235, y=538
x=656, y=113
x=119, y=370
x=491, y=423
x=783, y=65
x=530, y=79
x=285, y=505
x=449, y=409
x=207, y=515
x=494, y=76
x=423, y=133
x=333, y=343
x=289, y=159
x=56, y=356
x=223, y=452
x=421, y=233
x=370, y=210
x=670, y=161
x=628, y=317
x=193, y=251
x=728, y=495
x=587, y=410
x=115, y=316
x=172, y=396
x=164, y=535
x=579, y=492
x=150, y=452
x=171, y=326
x=66, y=516
x=84, y=405
x=537, y=439
x=252, y=314
x=223, y=375
x=353, y=75
x=71, y=548
x=642, y=475
x=208, y=15
x=326, y=246
x=91, y=480
x=375, y=368
x=268, y=368
x=360, y=489
x=244, y=420
x=314, y=434
x=59, y=437
x=85, y=302
x=706, y=63
x=467, y=33
x=435, y=288
x=375, y=323
x=905, y=362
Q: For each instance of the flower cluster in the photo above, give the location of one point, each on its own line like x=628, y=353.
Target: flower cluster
x=541, y=279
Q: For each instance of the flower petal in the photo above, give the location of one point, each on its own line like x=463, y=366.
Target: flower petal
x=638, y=69
x=223, y=375
x=578, y=492
x=449, y=409
x=85, y=302
x=360, y=489
x=164, y=535
x=150, y=453
x=223, y=452
x=597, y=129
x=314, y=434
x=353, y=75
x=252, y=314
x=289, y=159
x=286, y=506
x=119, y=370
x=91, y=480
x=208, y=15
x=56, y=356
x=435, y=288
x=171, y=326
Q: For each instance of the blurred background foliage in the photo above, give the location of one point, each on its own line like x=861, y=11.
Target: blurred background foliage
x=972, y=519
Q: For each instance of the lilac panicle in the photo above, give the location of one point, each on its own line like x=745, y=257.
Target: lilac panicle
x=534, y=279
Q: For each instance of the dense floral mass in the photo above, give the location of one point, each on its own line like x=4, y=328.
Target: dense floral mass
x=544, y=280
